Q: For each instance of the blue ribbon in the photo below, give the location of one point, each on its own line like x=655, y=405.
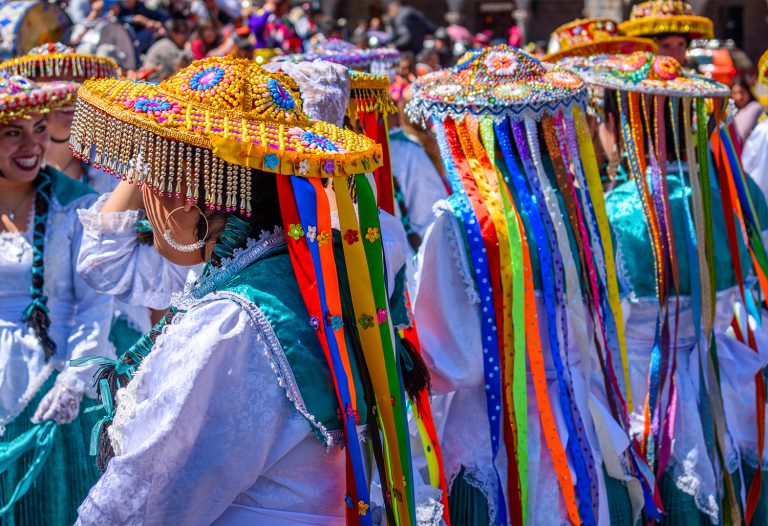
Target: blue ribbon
x=39, y=439
x=492, y=374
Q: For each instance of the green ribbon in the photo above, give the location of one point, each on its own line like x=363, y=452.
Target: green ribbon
x=39, y=439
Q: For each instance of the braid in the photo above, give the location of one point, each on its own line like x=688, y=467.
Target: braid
x=36, y=314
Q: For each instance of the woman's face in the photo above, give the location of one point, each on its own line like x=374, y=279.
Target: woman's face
x=181, y=224
x=208, y=36
x=60, y=123
x=23, y=143
x=740, y=96
x=674, y=46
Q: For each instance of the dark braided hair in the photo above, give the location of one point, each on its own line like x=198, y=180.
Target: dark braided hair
x=36, y=314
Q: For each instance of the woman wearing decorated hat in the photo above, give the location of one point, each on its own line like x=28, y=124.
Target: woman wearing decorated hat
x=518, y=315
x=55, y=61
x=233, y=409
x=695, y=343
x=670, y=22
x=48, y=317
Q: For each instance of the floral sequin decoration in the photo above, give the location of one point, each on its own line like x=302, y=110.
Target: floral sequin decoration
x=311, y=233
x=381, y=315
x=372, y=234
x=207, y=78
x=295, y=231
x=154, y=106
x=351, y=236
x=322, y=238
x=365, y=321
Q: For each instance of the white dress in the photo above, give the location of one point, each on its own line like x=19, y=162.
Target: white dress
x=80, y=317
x=447, y=314
x=754, y=156
x=196, y=443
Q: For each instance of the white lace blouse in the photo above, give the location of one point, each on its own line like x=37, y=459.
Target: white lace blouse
x=80, y=317
x=205, y=433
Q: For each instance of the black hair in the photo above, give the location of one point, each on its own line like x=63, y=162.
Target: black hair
x=743, y=83
x=36, y=314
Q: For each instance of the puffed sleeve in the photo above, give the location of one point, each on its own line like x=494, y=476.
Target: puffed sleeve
x=90, y=333
x=195, y=427
x=446, y=307
x=113, y=262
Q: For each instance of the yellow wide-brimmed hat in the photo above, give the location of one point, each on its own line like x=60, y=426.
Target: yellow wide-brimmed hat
x=20, y=96
x=233, y=108
x=593, y=36
x=762, y=69
x=659, y=17
x=55, y=61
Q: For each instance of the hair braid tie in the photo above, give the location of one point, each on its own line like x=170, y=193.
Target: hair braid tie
x=36, y=314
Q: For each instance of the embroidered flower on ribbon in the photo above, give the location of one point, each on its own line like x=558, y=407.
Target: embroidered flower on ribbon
x=314, y=322
x=280, y=96
x=295, y=231
x=365, y=321
x=373, y=234
x=271, y=161
x=322, y=238
x=303, y=167
x=336, y=322
x=352, y=236
x=352, y=413
x=207, y=78
x=381, y=315
x=329, y=166
x=363, y=508
x=311, y=233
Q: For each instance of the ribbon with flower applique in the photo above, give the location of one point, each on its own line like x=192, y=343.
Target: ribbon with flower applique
x=315, y=271
x=369, y=298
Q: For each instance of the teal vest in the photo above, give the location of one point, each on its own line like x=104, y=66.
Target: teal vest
x=65, y=188
x=633, y=247
x=268, y=291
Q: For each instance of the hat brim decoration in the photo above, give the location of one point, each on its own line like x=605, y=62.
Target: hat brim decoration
x=346, y=54
x=369, y=93
x=55, y=61
x=488, y=114
x=646, y=73
x=498, y=84
x=20, y=96
x=689, y=25
x=612, y=45
x=232, y=108
x=762, y=69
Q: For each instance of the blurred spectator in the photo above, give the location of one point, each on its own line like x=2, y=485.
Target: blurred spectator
x=304, y=19
x=209, y=11
x=407, y=67
x=82, y=10
x=481, y=40
x=208, y=39
x=427, y=60
x=269, y=28
x=515, y=37
x=164, y=56
x=145, y=22
x=409, y=27
x=749, y=110
x=244, y=48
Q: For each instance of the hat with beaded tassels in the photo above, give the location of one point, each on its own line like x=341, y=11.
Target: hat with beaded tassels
x=55, y=61
x=200, y=132
x=244, y=115
x=20, y=96
x=660, y=17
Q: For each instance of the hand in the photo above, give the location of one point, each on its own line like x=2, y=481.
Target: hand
x=59, y=404
x=126, y=196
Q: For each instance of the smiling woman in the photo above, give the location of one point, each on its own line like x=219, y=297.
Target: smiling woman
x=48, y=316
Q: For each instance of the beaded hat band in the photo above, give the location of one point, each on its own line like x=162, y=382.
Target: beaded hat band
x=346, y=54
x=658, y=17
x=593, y=36
x=499, y=83
x=645, y=73
x=762, y=69
x=228, y=107
x=20, y=96
x=56, y=61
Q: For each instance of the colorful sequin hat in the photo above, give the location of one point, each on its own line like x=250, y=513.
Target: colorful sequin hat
x=54, y=61
x=233, y=108
x=645, y=73
x=592, y=36
x=347, y=54
x=659, y=17
x=499, y=82
x=20, y=96
x=762, y=69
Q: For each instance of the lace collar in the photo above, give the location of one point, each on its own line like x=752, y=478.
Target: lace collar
x=215, y=277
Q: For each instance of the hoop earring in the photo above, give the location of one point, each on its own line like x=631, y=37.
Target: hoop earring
x=178, y=246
